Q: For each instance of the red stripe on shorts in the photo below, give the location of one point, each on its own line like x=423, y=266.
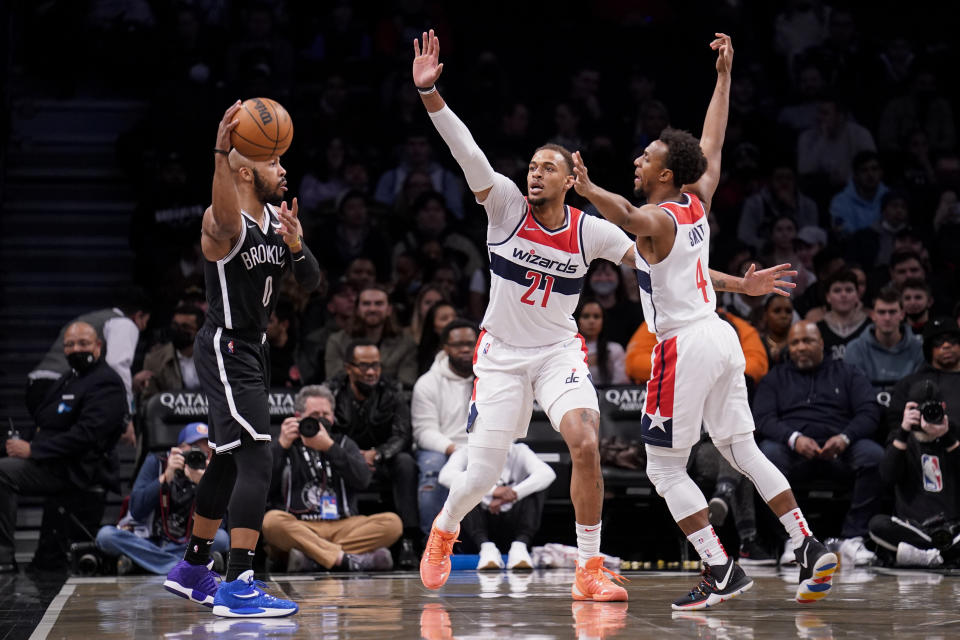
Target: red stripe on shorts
x=586, y=352
x=660, y=386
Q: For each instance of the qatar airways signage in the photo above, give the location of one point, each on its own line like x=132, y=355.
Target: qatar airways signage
x=189, y=404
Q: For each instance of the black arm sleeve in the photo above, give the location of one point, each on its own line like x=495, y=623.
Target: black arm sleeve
x=305, y=268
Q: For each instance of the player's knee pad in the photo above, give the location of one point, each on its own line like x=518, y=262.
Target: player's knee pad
x=216, y=486
x=745, y=456
x=483, y=472
x=668, y=474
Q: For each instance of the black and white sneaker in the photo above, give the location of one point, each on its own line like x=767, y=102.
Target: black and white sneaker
x=754, y=554
x=817, y=566
x=718, y=583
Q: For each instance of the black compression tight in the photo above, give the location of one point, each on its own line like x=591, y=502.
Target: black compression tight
x=239, y=479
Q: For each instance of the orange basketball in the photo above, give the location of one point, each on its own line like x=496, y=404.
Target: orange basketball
x=265, y=129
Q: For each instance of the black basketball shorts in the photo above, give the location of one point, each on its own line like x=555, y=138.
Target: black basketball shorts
x=234, y=372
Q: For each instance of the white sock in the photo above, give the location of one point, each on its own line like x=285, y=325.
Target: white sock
x=588, y=542
x=518, y=544
x=708, y=546
x=489, y=547
x=445, y=522
x=796, y=526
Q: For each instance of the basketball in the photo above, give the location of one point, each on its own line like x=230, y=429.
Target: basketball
x=265, y=129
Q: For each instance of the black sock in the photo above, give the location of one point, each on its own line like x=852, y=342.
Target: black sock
x=240, y=560
x=198, y=550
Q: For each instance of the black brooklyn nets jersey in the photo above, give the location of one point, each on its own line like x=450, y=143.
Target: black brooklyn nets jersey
x=242, y=288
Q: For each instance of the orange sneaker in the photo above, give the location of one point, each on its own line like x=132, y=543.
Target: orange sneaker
x=591, y=584
x=435, y=562
x=599, y=619
x=435, y=622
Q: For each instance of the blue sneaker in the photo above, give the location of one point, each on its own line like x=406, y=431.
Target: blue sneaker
x=246, y=598
x=195, y=582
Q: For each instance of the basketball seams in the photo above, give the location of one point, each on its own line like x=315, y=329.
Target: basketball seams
x=258, y=140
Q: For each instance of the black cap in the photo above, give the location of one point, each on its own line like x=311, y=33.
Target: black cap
x=937, y=328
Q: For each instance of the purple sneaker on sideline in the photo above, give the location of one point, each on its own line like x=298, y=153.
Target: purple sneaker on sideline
x=195, y=582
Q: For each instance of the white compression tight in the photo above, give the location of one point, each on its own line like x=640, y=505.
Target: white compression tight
x=484, y=465
x=745, y=456
x=667, y=470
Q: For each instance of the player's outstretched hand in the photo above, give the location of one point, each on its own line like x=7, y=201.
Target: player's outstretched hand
x=228, y=124
x=290, y=227
x=760, y=283
x=582, y=183
x=724, y=48
x=426, y=63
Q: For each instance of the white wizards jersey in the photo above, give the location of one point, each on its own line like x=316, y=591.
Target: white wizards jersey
x=536, y=273
x=677, y=291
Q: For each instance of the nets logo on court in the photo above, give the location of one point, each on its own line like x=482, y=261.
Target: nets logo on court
x=626, y=399
x=263, y=112
x=531, y=257
x=185, y=403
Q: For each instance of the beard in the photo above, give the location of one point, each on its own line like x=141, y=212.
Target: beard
x=264, y=192
x=462, y=366
x=537, y=202
x=913, y=317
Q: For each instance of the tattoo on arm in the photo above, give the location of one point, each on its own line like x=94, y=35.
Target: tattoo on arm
x=719, y=284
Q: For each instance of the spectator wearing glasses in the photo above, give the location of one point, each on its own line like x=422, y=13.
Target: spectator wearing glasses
x=373, y=411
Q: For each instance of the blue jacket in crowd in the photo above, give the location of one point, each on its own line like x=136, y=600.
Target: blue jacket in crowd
x=851, y=212
x=885, y=367
x=820, y=403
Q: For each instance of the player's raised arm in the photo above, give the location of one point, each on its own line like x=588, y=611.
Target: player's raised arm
x=426, y=70
x=648, y=220
x=756, y=283
x=715, y=124
x=226, y=222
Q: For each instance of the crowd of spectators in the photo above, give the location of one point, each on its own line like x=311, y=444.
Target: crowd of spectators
x=841, y=158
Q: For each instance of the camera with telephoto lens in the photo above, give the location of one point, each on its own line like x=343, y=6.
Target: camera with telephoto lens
x=195, y=458
x=929, y=402
x=310, y=427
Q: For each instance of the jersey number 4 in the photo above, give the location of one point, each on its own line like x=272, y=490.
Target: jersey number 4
x=536, y=276
x=701, y=282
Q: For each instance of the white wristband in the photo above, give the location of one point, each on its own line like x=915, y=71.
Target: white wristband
x=426, y=92
x=792, y=442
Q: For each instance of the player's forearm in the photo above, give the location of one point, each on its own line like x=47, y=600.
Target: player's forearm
x=724, y=282
x=226, y=200
x=611, y=206
x=306, y=269
x=715, y=123
x=464, y=149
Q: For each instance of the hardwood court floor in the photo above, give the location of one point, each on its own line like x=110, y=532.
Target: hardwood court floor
x=865, y=604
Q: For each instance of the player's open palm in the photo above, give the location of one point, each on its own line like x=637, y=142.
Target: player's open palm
x=582, y=183
x=724, y=48
x=227, y=124
x=426, y=62
x=290, y=227
x=773, y=280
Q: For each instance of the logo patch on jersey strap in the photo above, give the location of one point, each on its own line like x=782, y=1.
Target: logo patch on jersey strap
x=230, y=346
x=656, y=426
x=572, y=377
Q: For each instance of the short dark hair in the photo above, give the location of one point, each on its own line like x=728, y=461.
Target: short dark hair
x=190, y=310
x=358, y=342
x=863, y=157
x=456, y=323
x=900, y=257
x=562, y=150
x=917, y=283
x=843, y=275
x=684, y=156
x=889, y=295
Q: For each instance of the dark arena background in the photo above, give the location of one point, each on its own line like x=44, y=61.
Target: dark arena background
x=841, y=157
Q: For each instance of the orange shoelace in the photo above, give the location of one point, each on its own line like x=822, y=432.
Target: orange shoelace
x=439, y=547
x=613, y=575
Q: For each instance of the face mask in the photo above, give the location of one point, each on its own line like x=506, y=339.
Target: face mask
x=181, y=339
x=80, y=361
x=364, y=388
x=603, y=287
